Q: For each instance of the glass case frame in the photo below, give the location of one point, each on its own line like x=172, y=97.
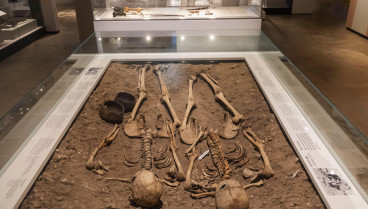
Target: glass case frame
x=15, y=20
x=343, y=146
x=125, y=10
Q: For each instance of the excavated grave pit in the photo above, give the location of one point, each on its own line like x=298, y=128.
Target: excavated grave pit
x=66, y=183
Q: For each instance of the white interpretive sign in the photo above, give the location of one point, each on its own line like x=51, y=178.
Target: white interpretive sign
x=334, y=186
x=24, y=170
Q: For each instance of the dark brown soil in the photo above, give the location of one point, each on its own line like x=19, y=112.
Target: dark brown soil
x=66, y=183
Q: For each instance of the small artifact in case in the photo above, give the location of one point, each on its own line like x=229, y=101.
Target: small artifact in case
x=112, y=111
x=127, y=100
x=118, y=11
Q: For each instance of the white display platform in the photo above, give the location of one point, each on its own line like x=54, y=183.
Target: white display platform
x=313, y=153
x=20, y=29
x=6, y=43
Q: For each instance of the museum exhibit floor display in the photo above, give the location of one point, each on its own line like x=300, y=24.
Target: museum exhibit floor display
x=208, y=113
x=289, y=137
x=309, y=145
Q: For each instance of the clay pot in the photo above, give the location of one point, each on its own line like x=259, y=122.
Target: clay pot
x=231, y=195
x=147, y=189
x=127, y=100
x=112, y=111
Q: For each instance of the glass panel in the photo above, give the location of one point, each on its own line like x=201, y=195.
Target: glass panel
x=345, y=142
x=175, y=9
x=177, y=41
x=18, y=125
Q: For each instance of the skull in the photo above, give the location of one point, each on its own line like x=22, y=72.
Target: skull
x=231, y=195
x=147, y=189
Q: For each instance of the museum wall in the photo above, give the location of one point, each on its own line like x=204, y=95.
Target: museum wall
x=358, y=16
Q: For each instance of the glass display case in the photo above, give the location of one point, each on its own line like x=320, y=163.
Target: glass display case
x=331, y=150
x=15, y=19
x=175, y=9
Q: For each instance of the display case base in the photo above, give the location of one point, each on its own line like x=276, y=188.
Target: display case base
x=156, y=25
x=20, y=29
x=9, y=47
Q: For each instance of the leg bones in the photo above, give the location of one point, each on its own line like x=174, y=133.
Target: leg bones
x=180, y=176
x=141, y=90
x=106, y=141
x=188, y=179
x=131, y=128
x=267, y=172
x=220, y=95
x=186, y=133
x=165, y=95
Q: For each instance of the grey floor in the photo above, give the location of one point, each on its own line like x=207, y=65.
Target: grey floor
x=334, y=59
